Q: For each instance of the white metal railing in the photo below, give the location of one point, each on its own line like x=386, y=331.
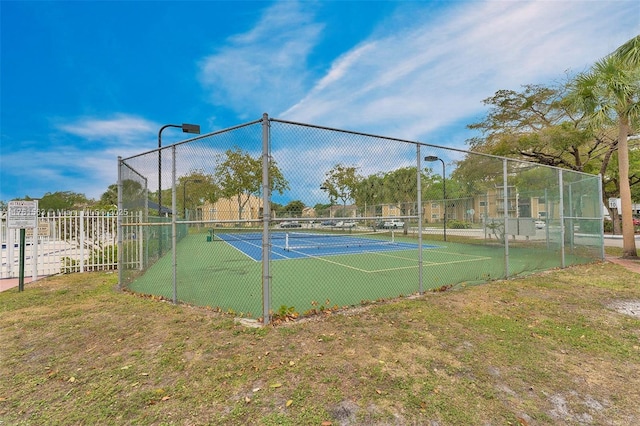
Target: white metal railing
x=64, y=242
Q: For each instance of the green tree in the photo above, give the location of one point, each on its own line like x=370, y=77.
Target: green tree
x=294, y=208
x=193, y=190
x=109, y=198
x=63, y=200
x=542, y=125
x=401, y=188
x=341, y=183
x=610, y=94
x=369, y=194
x=239, y=175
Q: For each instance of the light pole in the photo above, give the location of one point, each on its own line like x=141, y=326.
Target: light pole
x=186, y=128
x=444, y=189
x=184, y=195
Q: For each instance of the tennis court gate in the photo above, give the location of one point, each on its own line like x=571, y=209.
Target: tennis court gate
x=452, y=216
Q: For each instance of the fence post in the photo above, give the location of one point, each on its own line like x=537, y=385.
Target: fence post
x=505, y=204
x=139, y=239
x=266, y=218
x=119, y=225
x=10, y=251
x=419, y=177
x=601, y=227
x=82, y=241
x=561, y=213
x=174, y=234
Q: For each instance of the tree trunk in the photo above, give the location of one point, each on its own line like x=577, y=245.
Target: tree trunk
x=628, y=237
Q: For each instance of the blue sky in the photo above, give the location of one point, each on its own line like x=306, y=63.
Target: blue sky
x=84, y=82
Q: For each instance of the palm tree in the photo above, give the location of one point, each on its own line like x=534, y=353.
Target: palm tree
x=609, y=93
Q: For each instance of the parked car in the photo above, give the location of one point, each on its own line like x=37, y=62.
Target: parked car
x=636, y=221
x=346, y=224
x=393, y=224
x=328, y=223
x=292, y=224
x=540, y=224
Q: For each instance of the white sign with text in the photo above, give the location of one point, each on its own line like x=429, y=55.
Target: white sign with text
x=22, y=214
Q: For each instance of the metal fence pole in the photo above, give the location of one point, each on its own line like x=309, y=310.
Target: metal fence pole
x=174, y=233
x=419, y=177
x=505, y=204
x=266, y=218
x=601, y=227
x=82, y=240
x=561, y=213
x=119, y=227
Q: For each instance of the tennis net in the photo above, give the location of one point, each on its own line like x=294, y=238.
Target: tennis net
x=307, y=239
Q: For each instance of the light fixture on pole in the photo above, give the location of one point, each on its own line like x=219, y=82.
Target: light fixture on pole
x=444, y=189
x=186, y=128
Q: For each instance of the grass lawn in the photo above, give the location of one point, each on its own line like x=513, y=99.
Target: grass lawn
x=549, y=349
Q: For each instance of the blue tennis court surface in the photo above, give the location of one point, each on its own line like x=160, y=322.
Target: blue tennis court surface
x=297, y=245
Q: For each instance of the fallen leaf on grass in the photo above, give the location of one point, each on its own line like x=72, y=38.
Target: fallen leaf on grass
x=326, y=423
x=164, y=398
x=289, y=402
x=72, y=379
x=275, y=385
x=247, y=399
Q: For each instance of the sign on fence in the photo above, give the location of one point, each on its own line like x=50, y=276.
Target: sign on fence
x=22, y=214
x=44, y=230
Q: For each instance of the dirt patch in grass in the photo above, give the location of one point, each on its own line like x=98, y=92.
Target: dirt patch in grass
x=627, y=307
x=560, y=348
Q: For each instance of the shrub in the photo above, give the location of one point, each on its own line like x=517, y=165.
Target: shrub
x=69, y=265
x=457, y=224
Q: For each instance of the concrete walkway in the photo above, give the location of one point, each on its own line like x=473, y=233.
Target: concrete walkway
x=7, y=283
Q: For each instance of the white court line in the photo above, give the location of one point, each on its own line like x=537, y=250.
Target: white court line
x=477, y=259
x=240, y=241
x=324, y=259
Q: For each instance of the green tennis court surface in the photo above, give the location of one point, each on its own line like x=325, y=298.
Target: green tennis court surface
x=222, y=275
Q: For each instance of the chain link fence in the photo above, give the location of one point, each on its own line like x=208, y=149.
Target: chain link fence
x=275, y=218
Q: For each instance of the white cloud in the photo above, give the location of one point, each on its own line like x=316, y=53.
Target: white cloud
x=121, y=127
x=430, y=71
x=81, y=167
x=263, y=69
